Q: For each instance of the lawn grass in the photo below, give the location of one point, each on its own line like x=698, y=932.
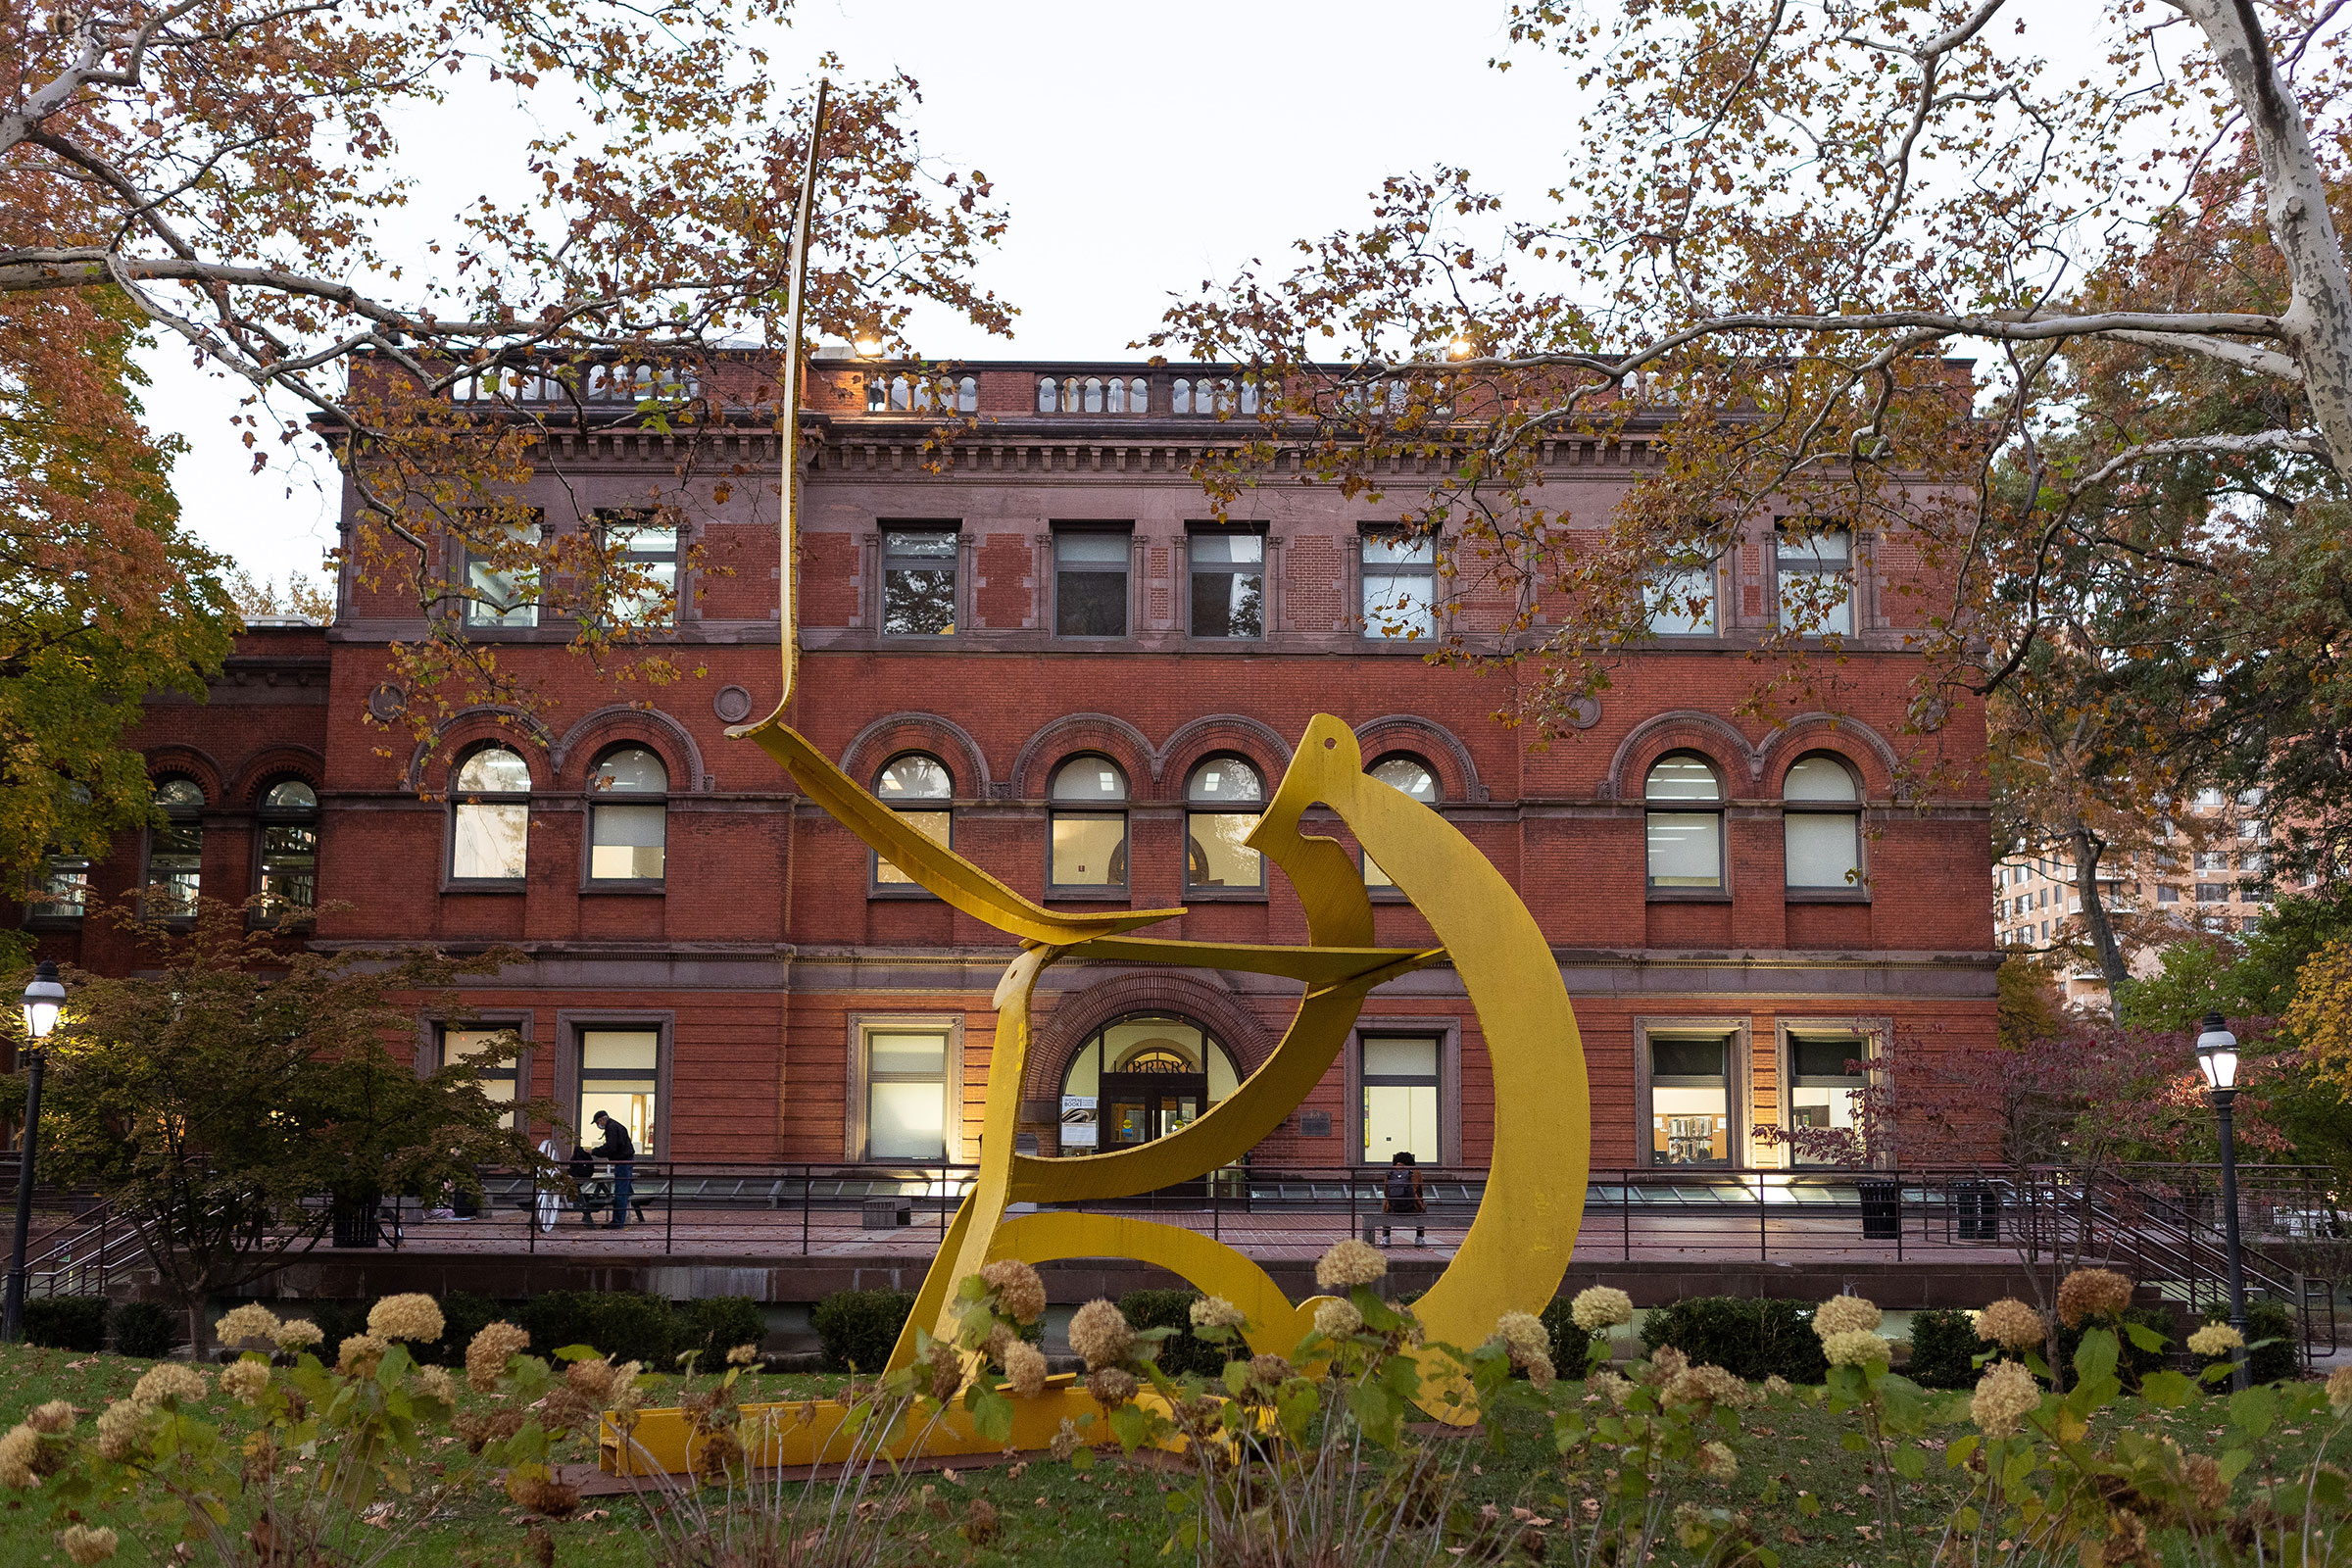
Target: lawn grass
x=1116, y=1514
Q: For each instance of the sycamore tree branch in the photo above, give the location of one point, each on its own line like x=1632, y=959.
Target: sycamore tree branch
x=86, y=69
x=2318, y=323
x=2245, y=355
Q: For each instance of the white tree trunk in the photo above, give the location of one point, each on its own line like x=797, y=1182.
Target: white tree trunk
x=2318, y=315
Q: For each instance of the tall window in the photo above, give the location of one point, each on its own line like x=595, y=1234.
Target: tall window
x=1689, y=1100
x=621, y=1076
x=1216, y=857
x=1682, y=603
x=492, y=806
x=628, y=828
x=175, y=850
x=1399, y=1078
x=499, y=590
x=918, y=582
x=499, y=1077
x=1229, y=584
x=289, y=851
x=906, y=1094
x=1826, y=1081
x=1684, y=819
x=1090, y=583
x=1410, y=776
x=1401, y=586
x=919, y=790
x=645, y=561
x=1821, y=823
x=1089, y=824
x=60, y=890
x=1815, y=578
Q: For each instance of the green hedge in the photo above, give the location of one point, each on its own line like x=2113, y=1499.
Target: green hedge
x=714, y=1326
x=856, y=1328
x=1753, y=1337
x=2275, y=1362
x=1181, y=1352
x=66, y=1322
x=622, y=1324
x=145, y=1329
x=1567, y=1339
x=1943, y=1349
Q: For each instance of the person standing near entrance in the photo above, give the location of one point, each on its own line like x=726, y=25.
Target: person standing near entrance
x=1402, y=1195
x=621, y=1154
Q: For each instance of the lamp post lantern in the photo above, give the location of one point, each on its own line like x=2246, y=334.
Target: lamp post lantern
x=2216, y=1060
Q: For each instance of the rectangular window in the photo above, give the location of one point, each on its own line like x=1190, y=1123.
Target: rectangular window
x=1826, y=1083
x=1814, y=577
x=906, y=1093
x=937, y=826
x=2213, y=861
x=1090, y=850
x=1400, y=586
x=1686, y=849
x=501, y=591
x=918, y=582
x=174, y=869
x=2168, y=895
x=645, y=562
x=289, y=868
x=499, y=1079
x=627, y=842
x=60, y=890
x=1689, y=1100
x=1090, y=583
x=1682, y=604
x=490, y=840
x=1229, y=584
x=621, y=1076
x=1399, y=1078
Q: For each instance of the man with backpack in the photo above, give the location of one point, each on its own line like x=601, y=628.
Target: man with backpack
x=1401, y=1194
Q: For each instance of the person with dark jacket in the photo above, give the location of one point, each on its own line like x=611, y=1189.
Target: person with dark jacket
x=621, y=1151
x=1401, y=1194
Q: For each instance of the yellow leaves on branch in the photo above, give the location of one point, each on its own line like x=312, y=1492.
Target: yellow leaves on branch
x=2321, y=1015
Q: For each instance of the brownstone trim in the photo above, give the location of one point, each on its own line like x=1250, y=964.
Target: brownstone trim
x=956, y=1142
x=1448, y=1028
x=572, y=1022
x=1838, y=735
x=1737, y=764
x=1435, y=746
x=614, y=726
x=433, y=1024
x=1074, y=734
x=283, y=760
x=1737, y=1068
x=195, y=764
x=894, y=734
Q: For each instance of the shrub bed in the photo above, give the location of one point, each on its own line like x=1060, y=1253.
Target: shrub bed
x=66, y=1322
x=2273, y=1362
x=1753, y=1337
x=856, y=1328
x=1943, y=1349
x=145, y=1329
x=1173, y=1309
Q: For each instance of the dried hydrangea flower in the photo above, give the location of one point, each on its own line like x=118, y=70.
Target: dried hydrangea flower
x=2216, y=1338
x=486, y=1358
x=168, y=1380
x=1600, y=1307
x=1858, y=1347
x=2005, y=1395
x=1019, y=1292
x=414, y=1316
x=1100, y=1332
x=1216, y=1312
x=1348, y=1265
x=1336, y=1319
x=2091, y=1293
x=1844, y=1315
x=1025, y=1368
x=2012, y=1324
x=239, y=1326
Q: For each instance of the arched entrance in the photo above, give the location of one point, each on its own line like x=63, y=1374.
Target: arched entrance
x=1140, y=1077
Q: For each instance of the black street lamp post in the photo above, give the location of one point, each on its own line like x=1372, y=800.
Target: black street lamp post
x=2216, y=1060
x=43, y=999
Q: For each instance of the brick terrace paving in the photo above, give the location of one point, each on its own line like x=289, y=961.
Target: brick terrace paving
x=762, y=1236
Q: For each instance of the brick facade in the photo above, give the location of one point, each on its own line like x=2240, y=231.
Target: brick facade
x=767, y=948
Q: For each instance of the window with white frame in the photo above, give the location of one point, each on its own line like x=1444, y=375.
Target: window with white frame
x=1401, y=1084
x=1680, y=602
x=490, y=808
x=1814, y=575
x=1228, y=584
x=1399, y=585
x=1089, y=582
x=1828, y=1077
x=907, y=1093
x=620, y=1075
x=643, y=555
x=481, y=1050
x=1691, y=1099
x=501, y=579
x=628, y=817
x=921, y=790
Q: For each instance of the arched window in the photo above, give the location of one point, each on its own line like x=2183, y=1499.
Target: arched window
x=628, y=827
x=175, y=850
x=289, y=880
x=491, y=807
x=1140, y=1078
x=1222, y=799
x=919, y=789
x=1409, y=775
x=1088, y=822
x=1821, y=823
x=1049, y=395
x=1686, y=823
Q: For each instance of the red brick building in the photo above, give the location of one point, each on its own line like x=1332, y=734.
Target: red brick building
x=1050, y=654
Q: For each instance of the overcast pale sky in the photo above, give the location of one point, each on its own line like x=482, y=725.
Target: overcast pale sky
x=1140, y=148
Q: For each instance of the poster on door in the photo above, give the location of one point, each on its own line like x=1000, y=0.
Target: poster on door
x=1079, y=1119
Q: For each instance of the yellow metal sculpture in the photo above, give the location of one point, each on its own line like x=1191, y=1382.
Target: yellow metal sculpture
x=1518, y=1246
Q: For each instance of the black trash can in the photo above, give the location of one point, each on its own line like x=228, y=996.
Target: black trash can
x=1980, y=1207
x=353, y=1222
x=1881, y=1210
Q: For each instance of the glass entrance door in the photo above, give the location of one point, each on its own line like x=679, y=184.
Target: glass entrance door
x=1140, y=1106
